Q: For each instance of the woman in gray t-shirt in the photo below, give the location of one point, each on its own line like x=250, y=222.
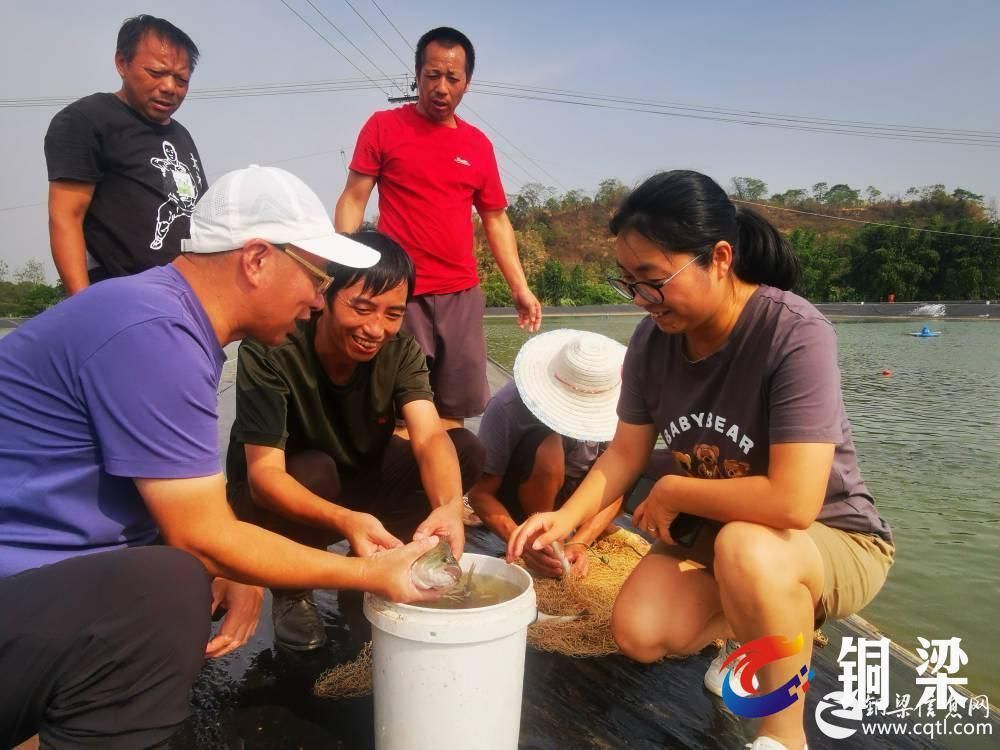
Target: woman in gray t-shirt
x=739, y=378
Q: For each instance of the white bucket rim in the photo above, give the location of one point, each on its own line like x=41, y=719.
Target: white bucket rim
x=529, y=589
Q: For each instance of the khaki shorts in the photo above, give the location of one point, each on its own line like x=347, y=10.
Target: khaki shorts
x=855, y=565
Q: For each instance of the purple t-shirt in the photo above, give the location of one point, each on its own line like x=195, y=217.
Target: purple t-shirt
x=776, y=380
x=116, y=382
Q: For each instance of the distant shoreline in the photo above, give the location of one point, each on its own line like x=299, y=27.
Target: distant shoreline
x=983, y=310
x=904, y=310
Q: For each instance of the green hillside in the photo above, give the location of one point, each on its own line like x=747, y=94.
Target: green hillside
x=566, y=251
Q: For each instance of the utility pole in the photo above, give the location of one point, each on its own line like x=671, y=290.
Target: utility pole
x=404, y=99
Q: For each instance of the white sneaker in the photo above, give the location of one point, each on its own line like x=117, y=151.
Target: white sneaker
x=716, y=675
x=768, y=743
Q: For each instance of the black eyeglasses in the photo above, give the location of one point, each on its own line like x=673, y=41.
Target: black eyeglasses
x=650, y=291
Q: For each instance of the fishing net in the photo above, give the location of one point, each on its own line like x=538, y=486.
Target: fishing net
x=352, y=679
x=589, y=600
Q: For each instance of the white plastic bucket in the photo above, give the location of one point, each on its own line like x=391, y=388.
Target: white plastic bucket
x=451, y=677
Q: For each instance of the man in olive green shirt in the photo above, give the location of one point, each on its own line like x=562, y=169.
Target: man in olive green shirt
x=312, y=454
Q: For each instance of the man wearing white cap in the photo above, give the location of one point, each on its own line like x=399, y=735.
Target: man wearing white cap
x=109, y=451
x=543, y=432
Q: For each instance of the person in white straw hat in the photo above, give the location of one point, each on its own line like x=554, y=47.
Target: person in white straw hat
x=543, y=432
x=117, y=541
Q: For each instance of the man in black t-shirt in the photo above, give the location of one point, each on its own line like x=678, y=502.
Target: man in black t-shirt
x=124, y=176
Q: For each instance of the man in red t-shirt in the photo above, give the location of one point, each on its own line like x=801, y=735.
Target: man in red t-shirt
x=431, y=168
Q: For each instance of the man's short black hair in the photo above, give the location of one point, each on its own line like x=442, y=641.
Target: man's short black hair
x=393, y=268
x=134, y=29
x=447, y=37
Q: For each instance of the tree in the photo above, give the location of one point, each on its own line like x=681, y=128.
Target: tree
x=793, y=197
x=819, y=191
x=4, y=269
x=524, y=206
x=749, y=188
x=933, y=192
x=550, y=282
x=573, y=199
x=32, y=272
x=610, y=192
x=960, y=194
x=873, y=194
x=842, y=195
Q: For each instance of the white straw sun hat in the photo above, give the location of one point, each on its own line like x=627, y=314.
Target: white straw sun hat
x=571, y=380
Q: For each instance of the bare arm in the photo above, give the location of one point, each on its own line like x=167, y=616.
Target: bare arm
x=592, y=528
x=434, y=453
x=484, y=500
x=439, y=473
x=789, y=496
x=612, y=474
x=503, y=245
x=350, y=210
x=193, y=515
x=68, y=204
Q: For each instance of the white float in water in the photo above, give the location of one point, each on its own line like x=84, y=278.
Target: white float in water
x=451, y=677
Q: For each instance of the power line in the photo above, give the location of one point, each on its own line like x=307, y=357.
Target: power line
x=862, y=221
x=496, y=88
x=409, y=46
x=513, y=145
x=23, y=205
x=833, y=130
x=742, y=113
x=381, y=39
x=880, y=131
x=360, y=51
x=332, y=46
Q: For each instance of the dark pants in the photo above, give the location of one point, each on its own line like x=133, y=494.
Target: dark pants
x=102, y=650
x=394, y=495
x=449, y=329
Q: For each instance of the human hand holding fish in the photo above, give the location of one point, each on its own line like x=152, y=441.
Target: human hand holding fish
x=388, y=573
x=539, y=531
x=446, y=521
x=542, y=562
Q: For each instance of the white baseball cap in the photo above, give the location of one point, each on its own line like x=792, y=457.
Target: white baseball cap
x=571, y=380
x=273, y=205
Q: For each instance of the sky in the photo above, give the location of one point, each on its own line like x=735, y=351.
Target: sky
x=915, y=63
